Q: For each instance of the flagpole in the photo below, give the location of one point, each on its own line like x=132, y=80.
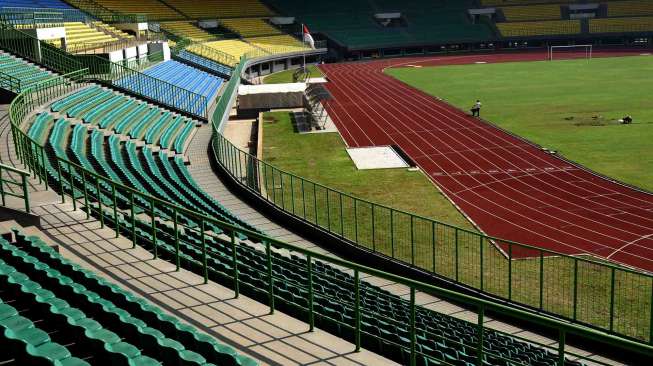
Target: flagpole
x=304, y=50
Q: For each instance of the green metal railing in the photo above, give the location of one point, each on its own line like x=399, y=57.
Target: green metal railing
x=9, y=82
x=157, y=225
x=599, y=294
x=12, y=187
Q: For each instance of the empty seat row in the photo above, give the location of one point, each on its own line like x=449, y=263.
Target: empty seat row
x=98, y=321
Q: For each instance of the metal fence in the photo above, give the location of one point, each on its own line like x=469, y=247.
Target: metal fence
x=599, y=294
x=158, y=226
x=9, y=82
x=13, y=183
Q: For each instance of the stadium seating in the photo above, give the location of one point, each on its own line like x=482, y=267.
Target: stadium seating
x=630, y=8
x=54, y=4
x=621, y=25
x=384, y=315
x=538, y=28
x=352, y=23
x=47, y=301
x=187, y=30
x=233, y=47
x=26, y=73
x=213, y=9
x=533, y=12
x=80, y=36
x=277, y=44
x=153, y=9
x=186, y=77
x=250, y=27
x=204, y=61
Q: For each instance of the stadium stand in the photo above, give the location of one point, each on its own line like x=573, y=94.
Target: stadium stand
x=526, y=2
x=250, y=27
x=186, y=77
x=78, y=32
x=96, y=320
x=384, y=315
x=53, y=4
x=212, y=9
x=533, y=12
x=538, y=28
x=352, y=23
x=630, y=8
x=17, y=75
x=187, y=30
x=233, y=47
x=206, y=62
x=282, y=43
x=621, y=25
x=153, y=9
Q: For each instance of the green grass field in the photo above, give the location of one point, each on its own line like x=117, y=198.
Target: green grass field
x=286, y=76
x=553, y=104
x=322, y=158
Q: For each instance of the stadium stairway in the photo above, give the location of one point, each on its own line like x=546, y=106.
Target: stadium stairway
x=242, y=323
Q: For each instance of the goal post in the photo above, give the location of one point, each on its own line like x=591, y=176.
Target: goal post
x=579, y=51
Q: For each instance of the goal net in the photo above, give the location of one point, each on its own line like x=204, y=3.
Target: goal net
x=570, y=52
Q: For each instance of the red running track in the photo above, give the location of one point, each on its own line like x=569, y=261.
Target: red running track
x=508, y=187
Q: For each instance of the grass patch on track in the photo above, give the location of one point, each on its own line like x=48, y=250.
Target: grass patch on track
x=570, y=106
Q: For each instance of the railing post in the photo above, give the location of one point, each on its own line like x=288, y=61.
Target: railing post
x=561, y=347
x=509, y=271
x=481, y=250
x=234, y=254
x=133, y=218
x=456, y=254
x=153, y=223
x=328, y=207
x=268, y=251
x=541, y=279
x=115, y=209
x=612, y=290
x=2, y=187
x=72, y=185
x=373, y=231
x=175, y=224
x=292, y=194
x=25, y=193
x=317, y=222
x=342, y=219
x=392, y=233
x=355, y=220
x=413, y=328
x=357, y=310
x=412, y=240
x=303, y=200
x=204, y=260
x=311, y=313
x=88, y=209
x=283, y=194
x=99, y=201
x=575, y=287
x=63, y=193
x=43, y=169
x=433, y=240
x=480, y=331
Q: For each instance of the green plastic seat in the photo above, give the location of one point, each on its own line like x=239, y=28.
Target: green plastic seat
x=33, y=336
x=49, y=350
x=16, y=323
x=71, y=361
x=7, y=311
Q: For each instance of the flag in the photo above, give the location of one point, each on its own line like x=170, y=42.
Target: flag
x=308, y=38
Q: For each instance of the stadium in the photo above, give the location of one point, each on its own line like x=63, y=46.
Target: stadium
x=294, y=182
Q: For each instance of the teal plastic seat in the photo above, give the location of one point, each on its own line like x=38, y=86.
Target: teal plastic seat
x=50, y=351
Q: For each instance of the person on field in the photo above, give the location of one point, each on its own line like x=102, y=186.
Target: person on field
x=626, y=120
x=476, y=109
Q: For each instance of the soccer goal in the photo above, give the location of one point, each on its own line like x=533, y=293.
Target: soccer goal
x=567, y=52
